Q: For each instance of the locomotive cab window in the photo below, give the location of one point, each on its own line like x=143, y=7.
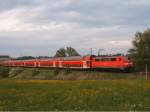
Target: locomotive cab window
x=88, y=62
x=127, y=58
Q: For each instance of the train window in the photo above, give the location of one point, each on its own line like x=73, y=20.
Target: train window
x=106, y=59
x=102, y=59
x=113, y=59
x=97, y=59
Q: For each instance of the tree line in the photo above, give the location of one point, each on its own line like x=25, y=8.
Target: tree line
x=62, y=52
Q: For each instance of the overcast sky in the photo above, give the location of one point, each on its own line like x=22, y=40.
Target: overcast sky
x=40, y=27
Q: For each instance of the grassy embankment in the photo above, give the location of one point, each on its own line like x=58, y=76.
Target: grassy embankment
x=55, y=74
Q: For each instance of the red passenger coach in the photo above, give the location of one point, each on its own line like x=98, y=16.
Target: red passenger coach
x=76, y=62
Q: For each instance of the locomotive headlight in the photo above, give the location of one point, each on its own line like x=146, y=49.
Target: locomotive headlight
x=126, y=63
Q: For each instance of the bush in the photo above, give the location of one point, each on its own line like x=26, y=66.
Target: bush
x=35, y=72
x=56, y=72
x=67, y=71
x=15, y=71
x=4, y=72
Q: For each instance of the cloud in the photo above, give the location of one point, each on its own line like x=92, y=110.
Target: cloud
x=40, y=27
x=121, y=43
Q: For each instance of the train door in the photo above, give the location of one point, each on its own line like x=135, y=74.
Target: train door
x=119, y=62
x=60, y=64
x=34, y=64
x=54, y=64
x=113, y=62
x=38, y=64
x=86, y=64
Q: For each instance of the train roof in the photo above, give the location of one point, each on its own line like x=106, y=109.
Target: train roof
x=109, y=56
x=68, y=58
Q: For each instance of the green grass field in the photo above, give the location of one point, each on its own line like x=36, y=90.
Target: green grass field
x=74, y=95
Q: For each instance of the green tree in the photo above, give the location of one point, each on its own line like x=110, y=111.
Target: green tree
x=25, y=58
x=141, y=49
x=61, y=53
x=68, y=51
x=71, y=52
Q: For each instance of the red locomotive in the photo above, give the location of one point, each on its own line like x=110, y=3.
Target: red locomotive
x=75, y=62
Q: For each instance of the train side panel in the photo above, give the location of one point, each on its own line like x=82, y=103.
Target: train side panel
x=79, y=62
x=44, y=63
x=111, y=62
x=72, y=64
